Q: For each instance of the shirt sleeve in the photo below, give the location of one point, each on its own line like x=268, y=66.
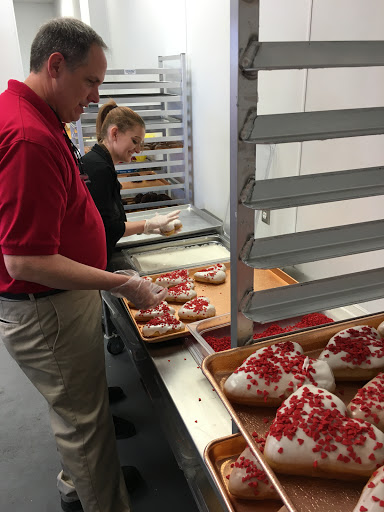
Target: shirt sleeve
x=33, y=200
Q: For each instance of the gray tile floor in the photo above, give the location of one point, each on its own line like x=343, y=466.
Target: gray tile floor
x=29, y=462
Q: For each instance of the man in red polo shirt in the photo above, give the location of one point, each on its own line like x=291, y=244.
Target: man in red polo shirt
x=53, y=258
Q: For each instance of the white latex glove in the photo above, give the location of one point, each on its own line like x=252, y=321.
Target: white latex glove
x=142, y=293
x=156, y=223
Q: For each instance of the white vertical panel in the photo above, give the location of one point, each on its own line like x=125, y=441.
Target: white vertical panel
x=11, y=63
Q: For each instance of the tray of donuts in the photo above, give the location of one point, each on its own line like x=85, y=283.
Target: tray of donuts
x=311, y=407
x=193, y=294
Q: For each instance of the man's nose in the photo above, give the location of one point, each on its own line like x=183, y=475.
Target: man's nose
x=94, y=96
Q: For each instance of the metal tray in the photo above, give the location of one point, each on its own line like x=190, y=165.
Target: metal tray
x=219, y=294
x=218, y=456
x=220, y=326
x=135, y=255
x=299, y=494
x=194, y=221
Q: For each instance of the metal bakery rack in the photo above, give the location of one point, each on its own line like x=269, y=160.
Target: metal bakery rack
x=160, y=96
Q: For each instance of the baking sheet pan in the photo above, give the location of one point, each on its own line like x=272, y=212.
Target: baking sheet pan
x=218, y=456
x=300, y=494
x=219, y=295
x=194, y=221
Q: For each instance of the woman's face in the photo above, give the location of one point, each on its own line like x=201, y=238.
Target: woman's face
x=125, y=145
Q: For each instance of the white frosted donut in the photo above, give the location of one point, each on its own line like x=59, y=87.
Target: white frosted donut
x=147, y=314
x=372, y=496
x=368, y=403
x=214, y=274
x=197, y=309
x=312, y=435
x=181, y=292
x=173, y=278
x=355, y=353
x=248, y=480
x=271, y=374
x=164, y=324
x=171, y=227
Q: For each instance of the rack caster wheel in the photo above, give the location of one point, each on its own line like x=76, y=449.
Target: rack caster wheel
x=115, y=346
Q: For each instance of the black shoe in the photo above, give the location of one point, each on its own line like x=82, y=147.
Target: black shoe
x=123, y=428
x=115, y=394
x=71, y=506
x=132, y=478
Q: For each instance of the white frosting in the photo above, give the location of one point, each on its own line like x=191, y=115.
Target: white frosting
x=363, y=336
x=251, y=380
x=147, y=314
x=380, y=329
x=214, y=274
x=368, y=403
x=289, y=453
x=159, y=326
x=173, y=278
x=372, y=497
x=242, y=484
x=181, y=293
x=171, y=227
x=197, y=308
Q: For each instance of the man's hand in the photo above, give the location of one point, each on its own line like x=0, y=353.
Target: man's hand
x=141, y=292
x=157, y=223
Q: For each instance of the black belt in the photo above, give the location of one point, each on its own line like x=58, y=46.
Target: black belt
x=26, y=296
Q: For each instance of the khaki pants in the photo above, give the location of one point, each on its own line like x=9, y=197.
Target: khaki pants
x=57, y=341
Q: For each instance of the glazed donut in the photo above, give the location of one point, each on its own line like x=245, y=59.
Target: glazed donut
x=372, y=496
x=271, y=374
x=173, y=278
x=197, y=309
x=214, y=275
x=143, y=315
x=312, y=435
x=164, y=324
x=368, y=403
x=181, y=292
x=248, y=480
x=171, y=228
x=356, y=353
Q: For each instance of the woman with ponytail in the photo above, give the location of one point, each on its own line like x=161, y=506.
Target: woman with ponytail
x=120, y=133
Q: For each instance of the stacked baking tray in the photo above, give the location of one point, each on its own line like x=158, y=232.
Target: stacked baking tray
x=299, y=494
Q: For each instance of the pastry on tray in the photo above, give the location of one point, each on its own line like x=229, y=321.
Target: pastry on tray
x=181, y=292
x=143, y=315
x=312, y=435
x=372, y=496
x=173, y=278
x=368, y=403
x=356, y=353
x=271, y=374
x=197, y=309
x=172, y=227
x=248, y=480
x=214, y=274
x=161, y=325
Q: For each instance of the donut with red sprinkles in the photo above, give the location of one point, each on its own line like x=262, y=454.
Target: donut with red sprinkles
x=334, y=445
x=271, y=374
x=372, y=496
x=181, y=292
x=214, y=274
x=368, y=403
x=355, y=353
x=248, y=480
x=173, y=278
x=143, y=315
x=164, y=324
x=197, y=309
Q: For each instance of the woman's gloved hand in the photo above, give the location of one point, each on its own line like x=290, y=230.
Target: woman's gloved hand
x=141, y=292
x=156, y=224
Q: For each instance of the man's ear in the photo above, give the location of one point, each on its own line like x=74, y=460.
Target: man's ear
x=55, y=64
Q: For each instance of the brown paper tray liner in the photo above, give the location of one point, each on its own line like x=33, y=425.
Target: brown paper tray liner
x=300, y=494
x=219, y=295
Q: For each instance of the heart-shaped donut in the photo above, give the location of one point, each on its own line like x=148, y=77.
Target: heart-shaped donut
x=312, y=435
x=173, y=278
x=164, y=324
x=355, y=353
x=271, y=374
x=143, y=315
x=368, y=403
x=214, y=274
x=372, y=496
x=197, y=309
x=181, y=292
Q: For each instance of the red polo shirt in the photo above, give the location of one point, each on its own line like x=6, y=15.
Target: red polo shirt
x=45, y=207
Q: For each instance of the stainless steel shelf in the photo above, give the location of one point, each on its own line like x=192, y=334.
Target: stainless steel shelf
x=138, y=85
x=89, y=127
x=313, y=188
x=298, y=299
x=318, y=244
x=148, y=165
x=320, y=125
x=139, y=98
x=314, y=54
x=147, y=71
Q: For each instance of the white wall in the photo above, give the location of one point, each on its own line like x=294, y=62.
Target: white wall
x=11, y=63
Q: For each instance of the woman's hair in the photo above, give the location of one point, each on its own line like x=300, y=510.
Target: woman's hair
x=122, y=117
x=68, y=36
